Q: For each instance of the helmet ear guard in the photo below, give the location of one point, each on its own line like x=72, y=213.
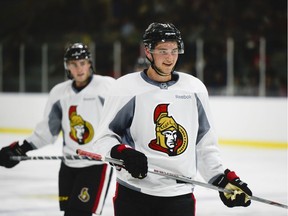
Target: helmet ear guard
x=76, y=51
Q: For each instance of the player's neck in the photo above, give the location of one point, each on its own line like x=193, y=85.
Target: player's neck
x=153, y=75
x=81, y=85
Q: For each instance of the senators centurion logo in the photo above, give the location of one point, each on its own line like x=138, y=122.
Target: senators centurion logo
x=81, y=131
x=171, y=137
x=84, y=196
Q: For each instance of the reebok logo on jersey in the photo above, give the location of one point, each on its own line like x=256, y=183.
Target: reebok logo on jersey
x=89, y=99
x=183, y=96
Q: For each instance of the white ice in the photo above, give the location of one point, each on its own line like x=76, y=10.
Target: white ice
x=30, y=188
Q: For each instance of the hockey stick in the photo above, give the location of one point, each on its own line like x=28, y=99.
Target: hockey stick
x=177, y=177
x=70, y=157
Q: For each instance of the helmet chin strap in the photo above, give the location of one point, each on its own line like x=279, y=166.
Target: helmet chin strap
x=157, y=70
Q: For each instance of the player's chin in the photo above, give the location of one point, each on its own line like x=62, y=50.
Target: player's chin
x=81, y=77
x=168, y=70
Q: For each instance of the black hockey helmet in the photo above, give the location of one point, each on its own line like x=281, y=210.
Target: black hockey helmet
x=76, y=51
x=161, y=32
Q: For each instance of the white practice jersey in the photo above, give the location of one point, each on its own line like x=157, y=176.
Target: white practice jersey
x=75, y=114
x=169, y=122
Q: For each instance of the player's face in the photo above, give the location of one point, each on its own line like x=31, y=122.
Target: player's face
x=165, y=56
x=80, y=70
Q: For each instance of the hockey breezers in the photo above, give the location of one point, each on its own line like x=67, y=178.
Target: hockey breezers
x=176, y=177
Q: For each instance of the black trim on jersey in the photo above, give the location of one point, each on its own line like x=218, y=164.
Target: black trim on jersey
x=162, y=85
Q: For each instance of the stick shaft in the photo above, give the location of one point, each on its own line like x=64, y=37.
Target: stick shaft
x=177, y=177
x=188, y=180
x=154, y=171
x=70, y=157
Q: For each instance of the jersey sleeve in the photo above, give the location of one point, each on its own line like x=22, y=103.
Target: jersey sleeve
x=47, y=130
x=208, y=154
x=109, y=133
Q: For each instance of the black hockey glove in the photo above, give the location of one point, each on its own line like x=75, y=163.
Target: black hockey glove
x=13, y=150
x=229, y=180
x=135, y=162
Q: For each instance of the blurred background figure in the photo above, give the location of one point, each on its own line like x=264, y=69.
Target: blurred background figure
x=141, y=64
x=73, y=109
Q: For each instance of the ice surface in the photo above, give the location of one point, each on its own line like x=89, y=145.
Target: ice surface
x=30, y=188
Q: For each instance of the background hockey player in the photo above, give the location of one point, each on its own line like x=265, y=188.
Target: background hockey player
x=161, y=118
x=74, y=108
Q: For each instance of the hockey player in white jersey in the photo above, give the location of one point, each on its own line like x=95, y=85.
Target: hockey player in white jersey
x=160, y=118
x=73, y=107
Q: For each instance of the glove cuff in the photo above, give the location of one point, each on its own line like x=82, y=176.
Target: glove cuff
x=26, y=146
x=122, y=147
x=117, y=151
x=230, y=175
x=21, y=150
x=220, y=181
x=223, y=179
